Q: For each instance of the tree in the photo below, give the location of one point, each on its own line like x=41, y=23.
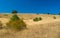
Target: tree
x=58, y=13
x=37, y=13
x=14, y=12
x=16, y=23
x=15, y=17
x=48, y=13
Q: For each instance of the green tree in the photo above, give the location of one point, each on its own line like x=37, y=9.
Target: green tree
x=14, y=17
x=16, y=23
x=58, y=13
x=48, y=13
x=14, y=12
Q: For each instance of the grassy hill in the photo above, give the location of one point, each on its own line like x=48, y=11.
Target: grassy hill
x=48, y=27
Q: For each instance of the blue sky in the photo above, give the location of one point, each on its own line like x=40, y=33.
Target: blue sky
x=30, y=6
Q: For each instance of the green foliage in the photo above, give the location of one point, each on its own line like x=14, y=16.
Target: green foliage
x=14, y=12
x=37, y=13
x=54, y=17
x=14, y=17
x=40, y=18
x=58, y=13
x=1, y=25
x=37, y=19
x=48, y=13
x=5, y=14
x=16, y=24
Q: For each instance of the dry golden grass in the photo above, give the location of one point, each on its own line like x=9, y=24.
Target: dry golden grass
x=46, y=28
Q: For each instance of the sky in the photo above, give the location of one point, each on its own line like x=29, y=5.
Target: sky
x=30, y=6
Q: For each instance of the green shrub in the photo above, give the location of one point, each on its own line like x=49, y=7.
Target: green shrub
x=14, y=18
x=1, y=27
x=5, y=14
x=58, y=13
x=16, y=24
x=37, y=13
x=54, y=17
x=14, y=12
x=40, y=18
x=37, y=19
x=48, y=13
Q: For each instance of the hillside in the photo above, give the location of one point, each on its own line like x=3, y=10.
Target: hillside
x=48, y=27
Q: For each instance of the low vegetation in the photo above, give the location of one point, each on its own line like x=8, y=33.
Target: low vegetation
x=58, y=13
x=14, y=12
x=1, y=26
x=54, y=17
x=48, y=13
x=37, y=19
x=5, y=14
x=16, y=23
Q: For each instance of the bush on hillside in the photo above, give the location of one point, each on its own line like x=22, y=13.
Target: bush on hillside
x=5, y=14
x=1, y=25
x=58, y=13
x=48, y=13
x=16, y=24
x=14, y=18
x=14, y=12
x=54, y=17
x=37, y=13
x=37, y=19
x=40, y=18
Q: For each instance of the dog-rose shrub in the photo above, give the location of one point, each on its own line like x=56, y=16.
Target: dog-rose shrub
x=16, y=23
x=37, y=19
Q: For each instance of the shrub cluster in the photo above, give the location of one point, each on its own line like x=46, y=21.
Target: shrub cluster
x=37, y=19
x=15, y=23
x=54, y=17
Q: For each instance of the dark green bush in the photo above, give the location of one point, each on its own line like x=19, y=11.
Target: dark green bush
x=40, y=18
x=37, y=19
x=14, y=12
x=5, y=14
x=1, y=25
x=58, y=13
x=37, y=13
x=48, y=13
x=16, y=24
x=14, y=17
x=54, y=17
